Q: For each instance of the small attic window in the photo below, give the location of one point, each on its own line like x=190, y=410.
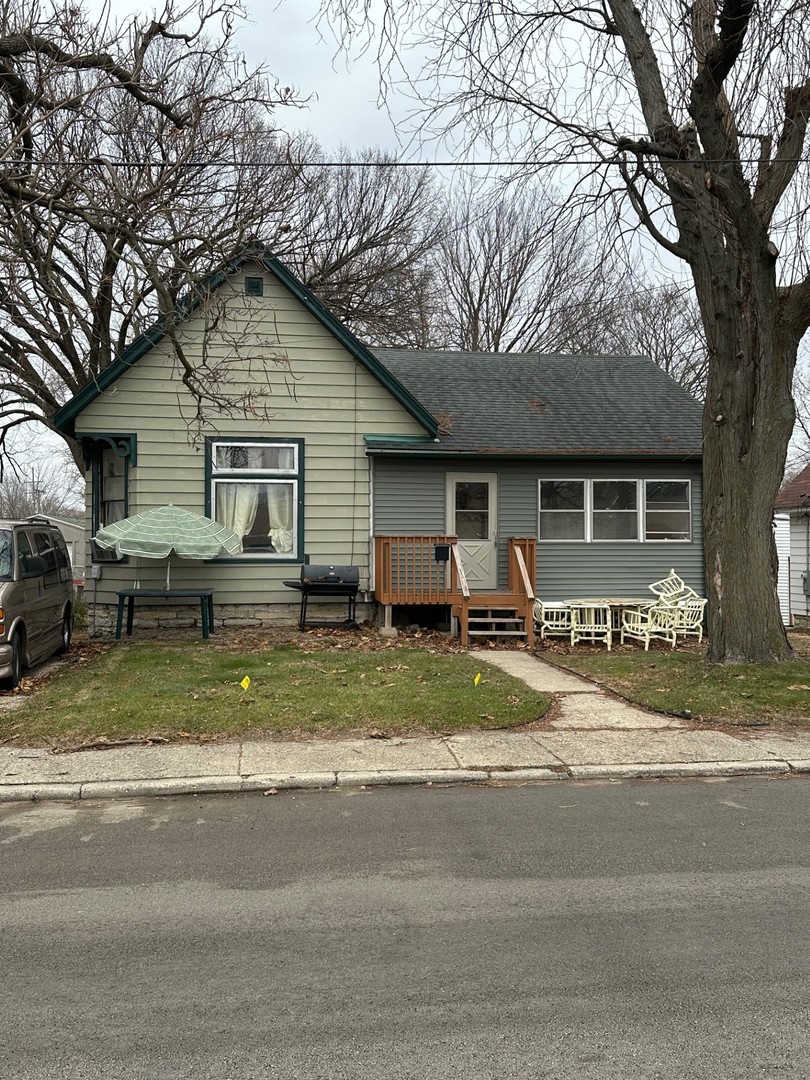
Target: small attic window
x=254, y=286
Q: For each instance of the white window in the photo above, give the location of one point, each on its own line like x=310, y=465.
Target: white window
x=562, y=510
x=668, y=510
x=599, y=511
x=614, y=509
x=256, y=490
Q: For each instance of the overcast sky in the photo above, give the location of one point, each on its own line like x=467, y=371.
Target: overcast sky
x=344, y=109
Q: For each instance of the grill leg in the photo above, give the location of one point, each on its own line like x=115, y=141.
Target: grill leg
x=302, y=622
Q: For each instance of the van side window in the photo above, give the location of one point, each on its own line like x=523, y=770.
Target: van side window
x=6, y=556
x=63, y=558
x=45, y=548
x=23, y=545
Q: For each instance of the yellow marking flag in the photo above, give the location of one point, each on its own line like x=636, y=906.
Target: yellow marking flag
x=245, y=683
x=477, y=678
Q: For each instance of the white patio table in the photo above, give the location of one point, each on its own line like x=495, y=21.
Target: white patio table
x=616, y=604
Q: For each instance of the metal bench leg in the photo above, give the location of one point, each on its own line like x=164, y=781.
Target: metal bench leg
x=119, y=618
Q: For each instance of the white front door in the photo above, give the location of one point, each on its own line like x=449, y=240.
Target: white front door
x=472, y=501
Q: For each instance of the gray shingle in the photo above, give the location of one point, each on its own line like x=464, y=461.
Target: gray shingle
x=533, y=404
x=795, y=494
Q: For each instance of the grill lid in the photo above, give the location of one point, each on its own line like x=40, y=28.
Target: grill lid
x=323, y=574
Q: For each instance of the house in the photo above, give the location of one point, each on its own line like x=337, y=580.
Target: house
x=463, y=481
x=793, y=503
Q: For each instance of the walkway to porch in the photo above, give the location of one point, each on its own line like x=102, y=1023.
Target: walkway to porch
x=428, y=570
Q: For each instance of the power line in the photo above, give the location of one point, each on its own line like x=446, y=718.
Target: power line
x=383, y=164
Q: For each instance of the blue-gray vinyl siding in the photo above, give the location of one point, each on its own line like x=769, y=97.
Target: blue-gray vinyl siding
x=410, y=499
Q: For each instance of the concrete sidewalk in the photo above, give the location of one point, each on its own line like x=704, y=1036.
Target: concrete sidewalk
x=589, y=735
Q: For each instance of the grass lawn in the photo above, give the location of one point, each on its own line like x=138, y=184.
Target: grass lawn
x=682, y=682
x=193, y=690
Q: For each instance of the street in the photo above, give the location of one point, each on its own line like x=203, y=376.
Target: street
x=605, y=930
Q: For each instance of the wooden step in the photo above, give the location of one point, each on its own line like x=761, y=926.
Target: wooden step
x=495, y=615
x=494, y=619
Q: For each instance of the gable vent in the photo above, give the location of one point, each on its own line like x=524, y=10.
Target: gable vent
x=254, y=286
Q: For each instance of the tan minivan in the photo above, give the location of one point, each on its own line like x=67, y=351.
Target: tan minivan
x=36, y=596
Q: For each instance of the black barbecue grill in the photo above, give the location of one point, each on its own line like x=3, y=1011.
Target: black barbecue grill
x=333, y=581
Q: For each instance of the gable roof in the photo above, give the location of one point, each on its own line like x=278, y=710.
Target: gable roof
x=64, y=419
x=529, y=404
x=795, y=494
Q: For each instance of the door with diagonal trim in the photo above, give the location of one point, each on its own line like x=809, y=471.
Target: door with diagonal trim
x=472, y=502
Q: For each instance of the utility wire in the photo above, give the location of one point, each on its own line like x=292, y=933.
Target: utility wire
x=225, y=163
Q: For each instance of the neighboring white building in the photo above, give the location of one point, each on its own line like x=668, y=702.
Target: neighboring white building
x=793, y=502
x=781, y=527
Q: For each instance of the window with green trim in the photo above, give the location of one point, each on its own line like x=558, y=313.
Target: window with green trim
x=110, y=459
x=255, y=488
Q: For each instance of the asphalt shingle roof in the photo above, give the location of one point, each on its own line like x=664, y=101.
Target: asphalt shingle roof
x=795, y=494
x=522, y=404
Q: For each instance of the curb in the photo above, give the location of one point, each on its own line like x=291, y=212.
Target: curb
x=208, y=785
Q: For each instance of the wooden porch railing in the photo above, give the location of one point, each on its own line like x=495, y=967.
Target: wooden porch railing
x=522, y=571
x=406, y=570
x=522, y=565
x=464, y=607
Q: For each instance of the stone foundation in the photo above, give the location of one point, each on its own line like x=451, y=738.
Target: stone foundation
x=101, y=617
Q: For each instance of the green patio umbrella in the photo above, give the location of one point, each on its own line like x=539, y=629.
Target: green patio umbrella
x=164, y=531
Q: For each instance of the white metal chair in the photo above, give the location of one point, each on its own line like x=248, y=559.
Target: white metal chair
x=591, y=622
x=689, y=617
x=656, y=623
x=552, y=619
x=669, y=589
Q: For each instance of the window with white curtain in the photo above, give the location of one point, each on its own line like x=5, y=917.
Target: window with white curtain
x=255, y=490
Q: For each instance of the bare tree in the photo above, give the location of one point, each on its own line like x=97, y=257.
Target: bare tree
x=39, y=480
x=361, y=237
x=516, y=275
x=694, y=116
x=129, y=169
x=37, y=490
x=663, y=323
x=799, y=449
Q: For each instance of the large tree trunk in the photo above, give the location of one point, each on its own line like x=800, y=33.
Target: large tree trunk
x=748, y=419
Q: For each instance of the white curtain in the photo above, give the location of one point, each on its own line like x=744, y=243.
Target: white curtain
x=280, y=509
x=237, y=505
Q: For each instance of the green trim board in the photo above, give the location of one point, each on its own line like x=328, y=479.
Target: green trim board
x=429, y=450
x=125, y=446
x=64, y=419
x=397, y=441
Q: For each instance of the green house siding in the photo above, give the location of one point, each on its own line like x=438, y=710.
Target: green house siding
x=410, y=498
x=321, y=395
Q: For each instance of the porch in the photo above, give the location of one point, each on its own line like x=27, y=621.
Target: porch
x=430, y=571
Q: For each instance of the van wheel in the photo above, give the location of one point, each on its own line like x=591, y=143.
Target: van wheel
x=12, y=681
x=66, y=632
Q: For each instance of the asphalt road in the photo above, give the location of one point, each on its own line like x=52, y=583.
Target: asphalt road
x=610, y=931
